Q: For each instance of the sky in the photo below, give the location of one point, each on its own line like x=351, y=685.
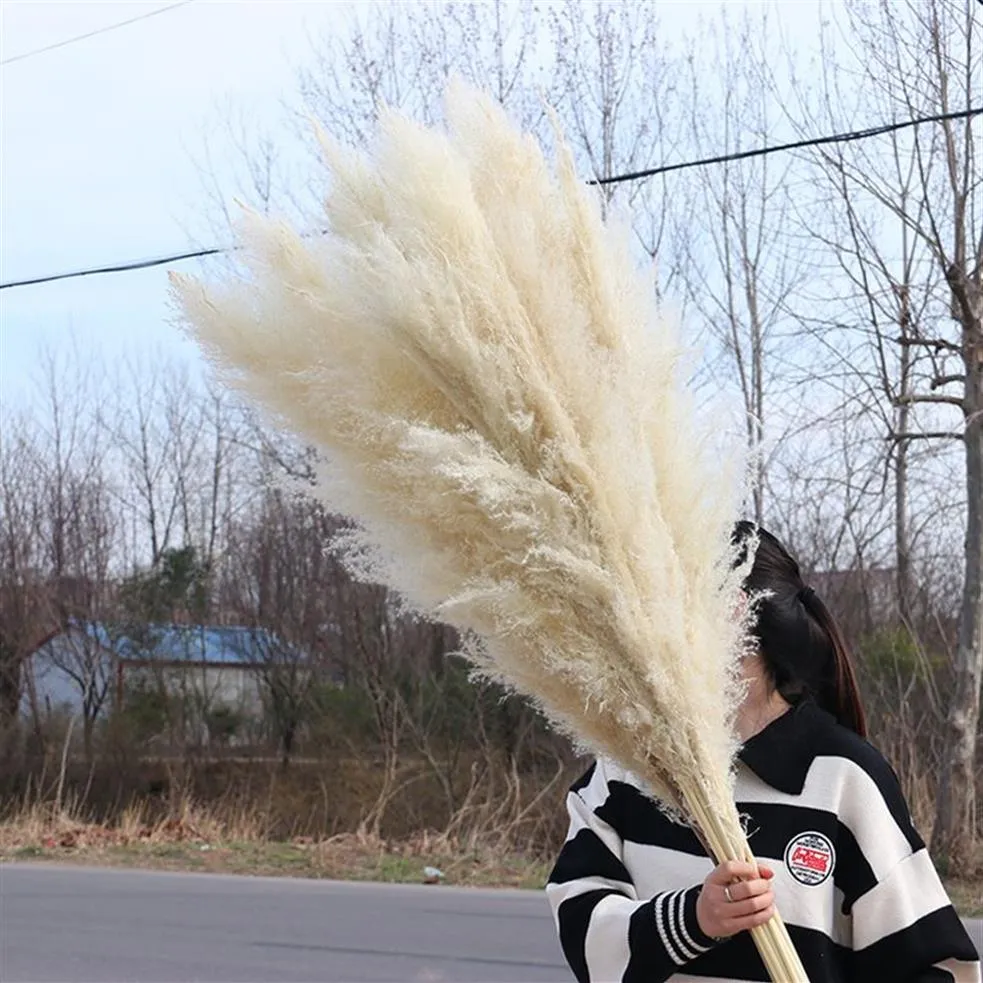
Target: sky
x=98, y=147
x=98, y=141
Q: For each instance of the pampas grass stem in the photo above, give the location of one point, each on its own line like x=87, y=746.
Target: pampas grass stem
x=726, y=841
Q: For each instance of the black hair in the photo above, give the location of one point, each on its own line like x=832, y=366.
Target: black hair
x=803, y=648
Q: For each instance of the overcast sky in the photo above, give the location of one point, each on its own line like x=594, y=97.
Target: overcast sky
x=98, y=146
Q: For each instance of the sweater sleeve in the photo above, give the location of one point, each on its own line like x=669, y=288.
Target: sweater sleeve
x=904, y=925
x=905, y=928
x=607, y=933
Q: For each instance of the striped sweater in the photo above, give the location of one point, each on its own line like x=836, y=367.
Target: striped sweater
x=853, y=880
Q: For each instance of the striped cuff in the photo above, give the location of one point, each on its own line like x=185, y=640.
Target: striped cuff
x=678, y=927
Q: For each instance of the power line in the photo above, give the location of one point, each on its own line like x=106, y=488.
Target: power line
x=638, y=175
x=817, y=142
x=126, y=267
x=92, y=34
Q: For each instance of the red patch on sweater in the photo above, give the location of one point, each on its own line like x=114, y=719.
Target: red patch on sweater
x=810, y=858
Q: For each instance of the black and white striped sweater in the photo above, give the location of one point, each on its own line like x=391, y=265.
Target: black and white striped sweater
x=853, y=880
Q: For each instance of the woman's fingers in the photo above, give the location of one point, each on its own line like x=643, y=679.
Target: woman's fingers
x=741, y=909
x=737, y=896
x=746, y=889
x=735, y=925
x=732, y=870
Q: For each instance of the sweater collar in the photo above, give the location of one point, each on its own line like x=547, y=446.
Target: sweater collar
x=783, y=752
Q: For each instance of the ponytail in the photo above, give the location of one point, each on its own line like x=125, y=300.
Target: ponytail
x=798, y=638
x=842, y=693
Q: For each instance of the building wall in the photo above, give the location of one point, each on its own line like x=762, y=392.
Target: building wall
x=58, y=671
x=235, y=686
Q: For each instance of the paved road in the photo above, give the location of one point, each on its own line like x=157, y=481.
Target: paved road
x=122, y=926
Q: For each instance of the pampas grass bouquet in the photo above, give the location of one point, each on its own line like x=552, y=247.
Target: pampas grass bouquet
x=477, y=359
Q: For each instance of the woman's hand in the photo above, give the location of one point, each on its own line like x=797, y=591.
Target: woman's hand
x=750, y=901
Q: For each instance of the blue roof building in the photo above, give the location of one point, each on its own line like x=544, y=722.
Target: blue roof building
x=92, y=662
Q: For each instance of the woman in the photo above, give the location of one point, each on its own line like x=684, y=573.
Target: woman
x=636, y=898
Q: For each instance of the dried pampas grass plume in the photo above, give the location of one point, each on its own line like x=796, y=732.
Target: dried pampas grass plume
x=474, y=353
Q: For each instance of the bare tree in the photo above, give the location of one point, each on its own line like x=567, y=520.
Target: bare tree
x=202, y=432
x=78, y=526
x=911, y=207
x=281, y=585
x=743, y=266
x=613, y=86
x=143, y=442
x=401, y=56
x=26, y=617
x=84, y=597
x=81, y=654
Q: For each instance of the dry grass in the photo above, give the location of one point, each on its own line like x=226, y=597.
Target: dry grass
x=41, y=825
x=196, y=839
x=967, y=896
x=193, y=840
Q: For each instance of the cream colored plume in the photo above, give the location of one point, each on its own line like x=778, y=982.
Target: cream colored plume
x=476, y=356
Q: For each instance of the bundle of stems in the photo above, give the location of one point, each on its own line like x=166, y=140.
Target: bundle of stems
x=475, y=355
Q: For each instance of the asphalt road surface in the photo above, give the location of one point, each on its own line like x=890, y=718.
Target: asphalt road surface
x=124, y=926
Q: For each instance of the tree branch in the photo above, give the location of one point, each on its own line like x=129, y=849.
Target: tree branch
x=909, y=398
x=937, y=343
x=947, y=380
x=967, y=298
x=896, y=438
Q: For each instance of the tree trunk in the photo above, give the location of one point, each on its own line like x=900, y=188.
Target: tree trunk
x=88, y=730
x=10, y=685
x=10, y=692
x=955, y=823
x=902, y=543
x=287, y=736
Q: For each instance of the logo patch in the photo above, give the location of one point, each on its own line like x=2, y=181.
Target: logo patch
x=810, y=858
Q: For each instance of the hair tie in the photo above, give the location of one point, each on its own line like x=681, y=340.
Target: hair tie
x=804, y=594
